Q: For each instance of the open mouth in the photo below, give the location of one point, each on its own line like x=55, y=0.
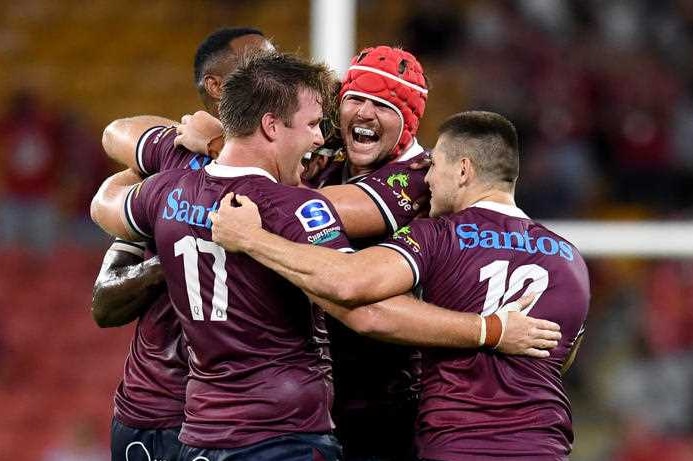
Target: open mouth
x=364, y=135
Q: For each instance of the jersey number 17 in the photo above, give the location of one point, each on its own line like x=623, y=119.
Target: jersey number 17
x=189, y=247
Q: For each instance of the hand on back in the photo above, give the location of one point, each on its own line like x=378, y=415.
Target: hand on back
x=200, y=133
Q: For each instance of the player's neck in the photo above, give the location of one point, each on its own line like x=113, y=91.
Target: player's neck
x=355, y=170
x=487, y=195
x=247, y=152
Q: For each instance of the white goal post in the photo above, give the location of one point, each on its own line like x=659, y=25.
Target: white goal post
x=636, y=239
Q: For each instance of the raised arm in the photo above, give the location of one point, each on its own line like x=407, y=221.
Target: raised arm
x=121, y=136
x=126, y=286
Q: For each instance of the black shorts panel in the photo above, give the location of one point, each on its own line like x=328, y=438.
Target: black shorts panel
x=290, y=447
x=131, y=444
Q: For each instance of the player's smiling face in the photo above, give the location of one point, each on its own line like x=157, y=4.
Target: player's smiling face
x=370, y=130
x=443, y=178
x=303, y=135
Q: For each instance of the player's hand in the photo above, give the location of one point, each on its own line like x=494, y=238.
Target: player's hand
x=524, y=335
x=235, y=223
x=421, y=164
x=201, y=133
x=422, y=206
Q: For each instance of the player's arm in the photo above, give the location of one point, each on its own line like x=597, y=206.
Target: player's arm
x=406, y=320
x=370, y=277
x=126, y=285
x=359, y=213
x=121, y=137
x=107, y=206
x=352, y=279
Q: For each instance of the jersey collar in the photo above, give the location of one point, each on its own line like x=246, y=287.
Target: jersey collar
x=227, y=171
x=510, y=210
x=411, y=152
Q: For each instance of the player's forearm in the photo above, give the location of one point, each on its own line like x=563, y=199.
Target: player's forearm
x=405, y=320
x=121, y=294
x=107, y=205
x=312, y=268
x=358, y=212
x=121, y=136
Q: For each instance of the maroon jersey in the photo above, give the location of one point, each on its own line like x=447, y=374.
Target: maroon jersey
x=395, y=188
x=152, y=392
x=255, y=370
x=377, y=384
x=155, y=152
x=482, y=403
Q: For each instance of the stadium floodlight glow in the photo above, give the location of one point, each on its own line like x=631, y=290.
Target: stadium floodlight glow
x=632, y=239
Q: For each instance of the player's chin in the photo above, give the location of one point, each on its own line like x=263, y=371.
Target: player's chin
x=362, y=148
x=362, y=157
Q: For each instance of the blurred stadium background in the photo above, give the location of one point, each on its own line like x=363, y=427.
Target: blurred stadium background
x=601, y=92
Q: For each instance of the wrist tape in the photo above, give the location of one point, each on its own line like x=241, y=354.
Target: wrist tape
x=492, y=329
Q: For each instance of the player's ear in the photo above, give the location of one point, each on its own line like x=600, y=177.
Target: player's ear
x=213, y=84
x=269, y=127
x=465, y=170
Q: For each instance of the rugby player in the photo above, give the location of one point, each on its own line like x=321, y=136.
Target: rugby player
x=148, y=404
x=479, y=250
x=257, y=388
x=223, y=417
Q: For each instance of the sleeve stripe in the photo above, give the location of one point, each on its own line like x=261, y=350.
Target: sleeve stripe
x=408, y=257
x=382, y=206
x=581, y=332
x=129, y=217
x=346, y=250
x=134, y=248
x=139, y=151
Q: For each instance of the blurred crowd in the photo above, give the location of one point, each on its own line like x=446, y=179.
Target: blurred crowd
x=52, y=164
x=601, y=92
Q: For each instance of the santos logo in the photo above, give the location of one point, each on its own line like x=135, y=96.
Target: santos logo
x=314, y=215
x=470, y=237
x=184, y=211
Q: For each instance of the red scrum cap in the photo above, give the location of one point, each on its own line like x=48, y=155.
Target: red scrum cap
x=393, y=77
